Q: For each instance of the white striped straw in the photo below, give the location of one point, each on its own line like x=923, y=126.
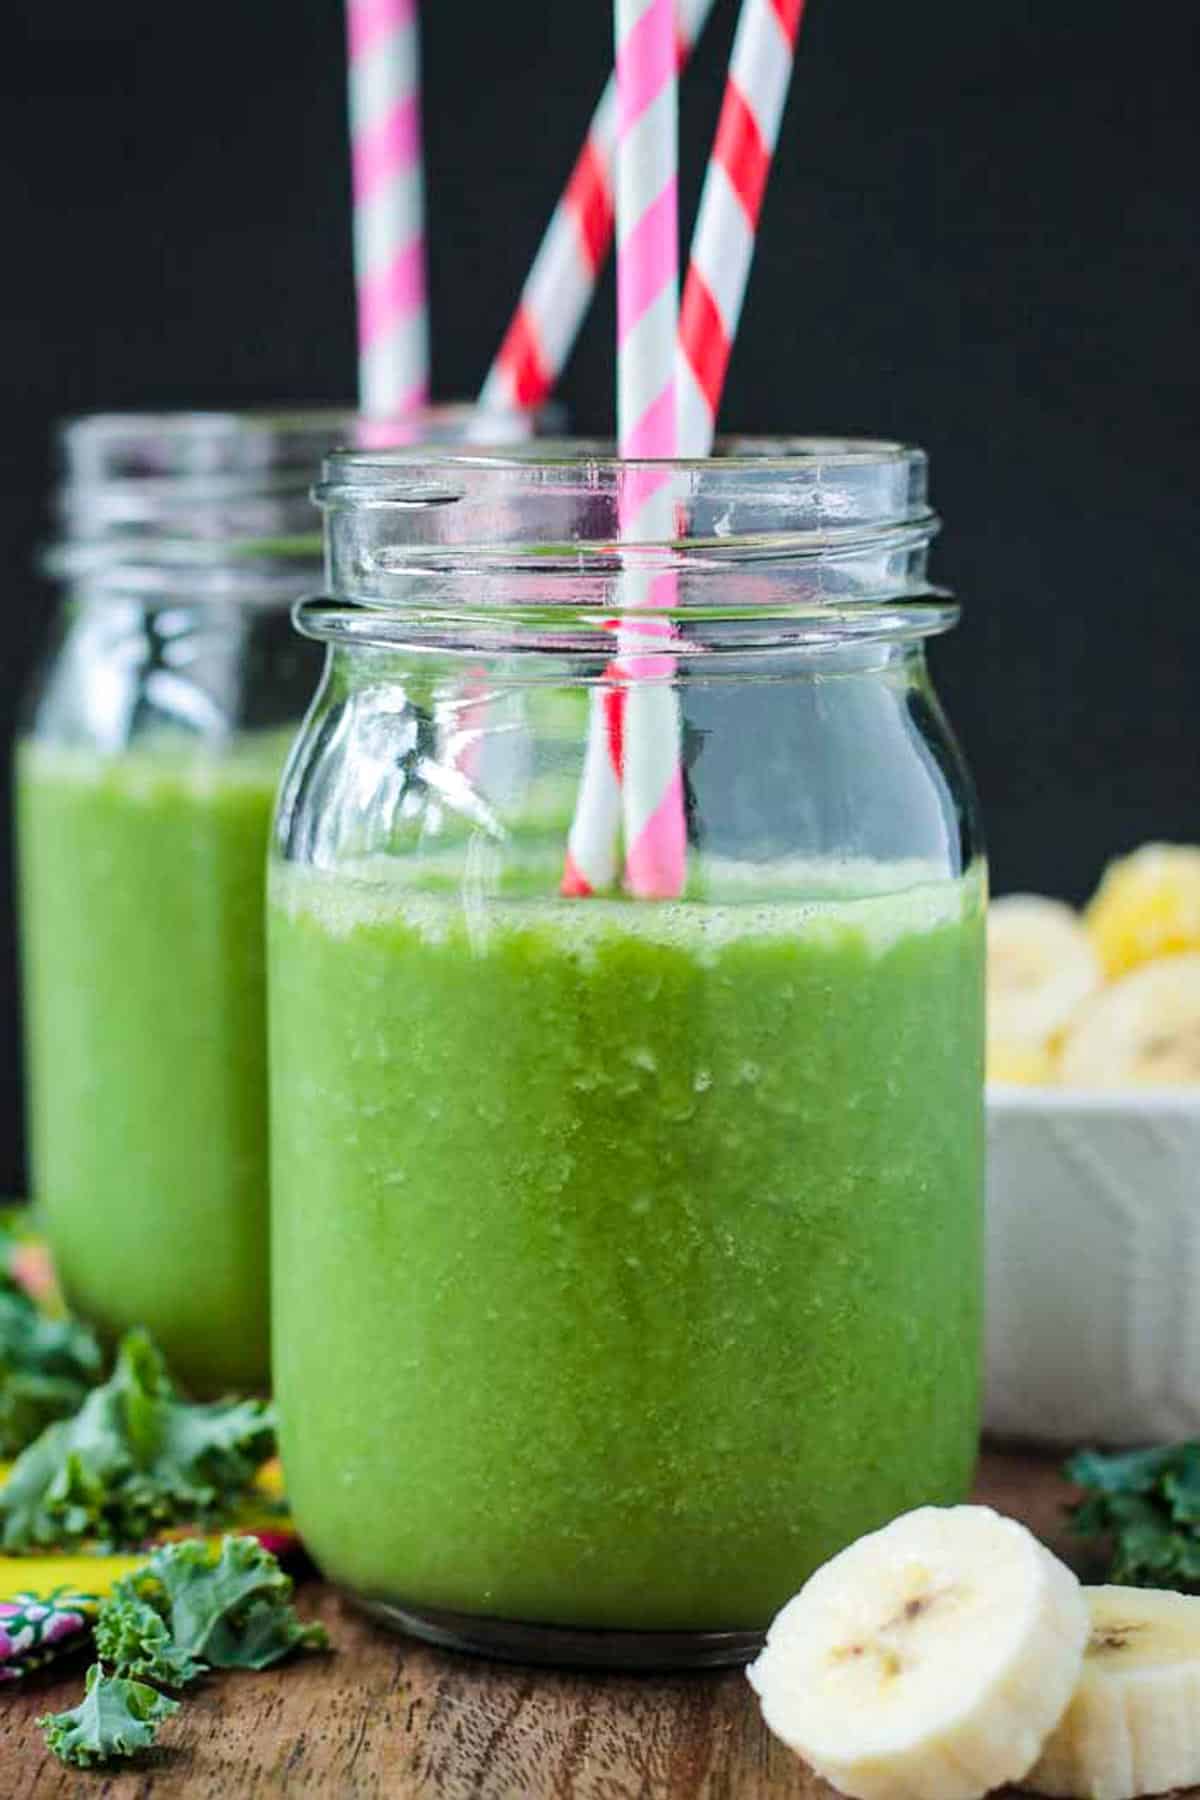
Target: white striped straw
x=389, y=206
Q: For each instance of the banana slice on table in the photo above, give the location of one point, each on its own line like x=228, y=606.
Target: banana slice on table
x=1143, y=1031
x=1147, y=905
x=1041, y=968
x=1133, y=1723
x=929, y=1661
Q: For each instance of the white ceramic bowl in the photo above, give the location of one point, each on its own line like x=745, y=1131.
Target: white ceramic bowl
x=1093, y=1248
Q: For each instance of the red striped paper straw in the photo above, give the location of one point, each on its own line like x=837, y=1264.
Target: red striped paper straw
x=723, y=244
x=563, y=277
x=389, y=205
x=593, y=844
x=633, y=767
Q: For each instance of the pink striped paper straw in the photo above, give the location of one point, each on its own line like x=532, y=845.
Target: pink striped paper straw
x=643, y=780
x=563, y=278
x=723, y=244
x=647, y=216
x=389, y=205
x=647, y=220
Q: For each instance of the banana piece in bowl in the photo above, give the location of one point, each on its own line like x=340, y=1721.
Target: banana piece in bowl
x=1041, y=968
x=1146, y=906
x=1021, y=1065
x=1142, y=1031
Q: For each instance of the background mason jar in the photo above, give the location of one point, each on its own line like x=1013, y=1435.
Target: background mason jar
x=146, y=768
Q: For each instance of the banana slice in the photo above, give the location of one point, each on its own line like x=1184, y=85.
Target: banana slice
x=1143, y=1031
x=929, y=1661
x=1133, y=1724
x=1147, y=905
x=1021, y=1065
x=1041, y=968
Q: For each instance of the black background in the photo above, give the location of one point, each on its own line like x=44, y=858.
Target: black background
x=979, y=235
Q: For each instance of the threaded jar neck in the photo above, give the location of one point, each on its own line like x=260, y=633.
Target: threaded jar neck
x=774, y=539
x=217, y=505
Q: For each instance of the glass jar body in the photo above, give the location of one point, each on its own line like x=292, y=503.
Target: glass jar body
x=648, y=1234
x=146, y=771
x=145, y=780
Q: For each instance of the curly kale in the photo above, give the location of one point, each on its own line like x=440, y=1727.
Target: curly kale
x=1146, y=1505
x=133, y=1639
x=134, y=1459
x=115, y=1718
x=193, y=1607
x=47, y=1366
x=226, y=1608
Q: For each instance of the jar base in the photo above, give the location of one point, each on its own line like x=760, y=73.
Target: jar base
x=562, y=1646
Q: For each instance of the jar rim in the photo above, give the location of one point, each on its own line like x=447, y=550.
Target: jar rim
x=827, y=534
x=219, y=501
x=364, y=476
x=142, y=445
x=559, y=505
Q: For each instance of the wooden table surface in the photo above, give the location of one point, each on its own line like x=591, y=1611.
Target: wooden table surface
x=386, y=1716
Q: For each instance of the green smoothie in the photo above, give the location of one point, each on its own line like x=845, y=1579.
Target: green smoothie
x=626, y=1258
x=141, y=905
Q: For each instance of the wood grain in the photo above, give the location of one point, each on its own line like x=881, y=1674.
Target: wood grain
x=388, y=1717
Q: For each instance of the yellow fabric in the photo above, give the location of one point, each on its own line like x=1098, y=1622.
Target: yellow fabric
x=81, y=1574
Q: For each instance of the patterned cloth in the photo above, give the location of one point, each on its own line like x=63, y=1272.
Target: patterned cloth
x=36, y=1628
x=48, y=1604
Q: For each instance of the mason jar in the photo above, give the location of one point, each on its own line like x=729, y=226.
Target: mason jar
x=625, y=925
x=146, y=769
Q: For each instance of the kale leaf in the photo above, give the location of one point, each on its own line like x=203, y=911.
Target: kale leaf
x=194, y=1606
x=135, y=1458
x=47, y=1366
x=133, y=1639
x=115, y=1718
x=224, y=1608
x=1146, y=1503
